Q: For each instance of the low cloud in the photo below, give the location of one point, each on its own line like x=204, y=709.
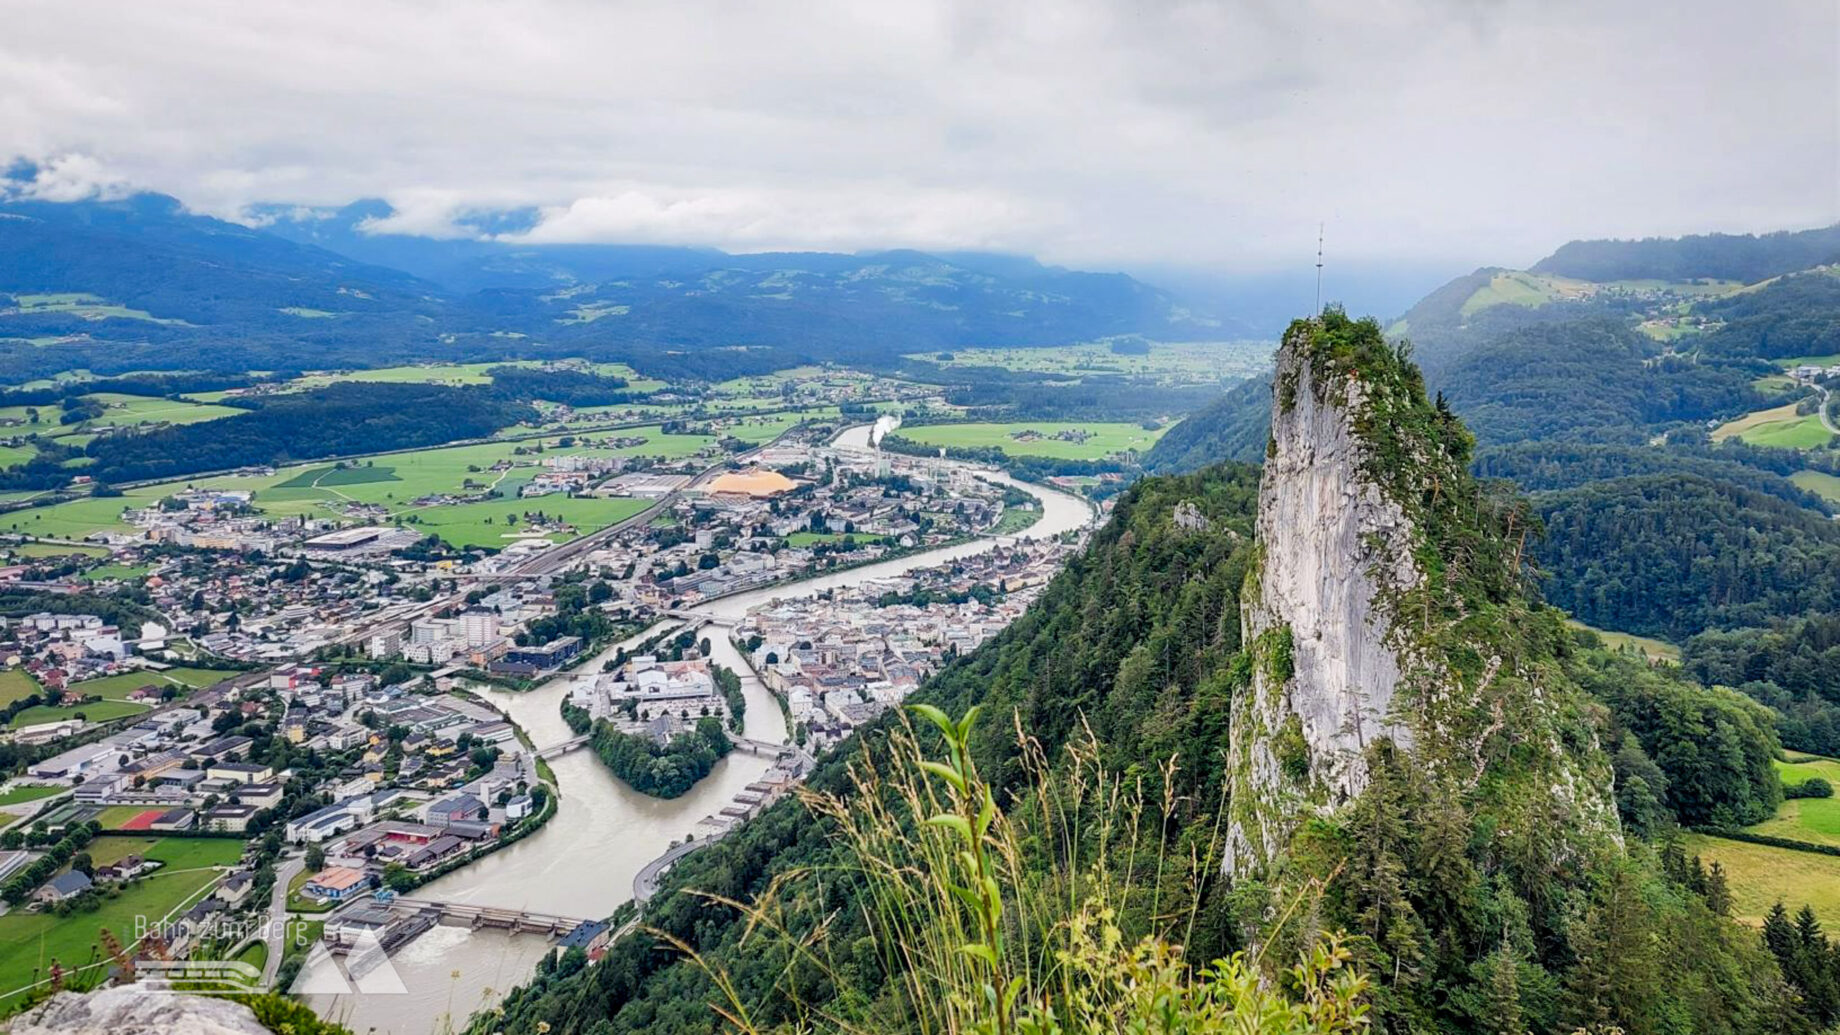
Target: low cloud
x=68, y=177
x=1091, y=132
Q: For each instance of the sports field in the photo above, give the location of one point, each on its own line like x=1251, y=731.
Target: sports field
x=1083, y=441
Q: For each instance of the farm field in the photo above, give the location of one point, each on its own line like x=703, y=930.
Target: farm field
x=1814, y=361
x=58, y=550
x=1760, y=875
x=95, y=711
x=1655, y=650
x=1779, y=426
x=486, y=524
x=30, y=941
x=127, y=410
x=391, y=481
x=1821, y=484
x=1103, y=439
x=432, y=373
x=82, y=305
x=1170, y=364
x=117, y=688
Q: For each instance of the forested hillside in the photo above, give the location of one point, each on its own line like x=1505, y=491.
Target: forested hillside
x=1745, y=258
x=337, y=420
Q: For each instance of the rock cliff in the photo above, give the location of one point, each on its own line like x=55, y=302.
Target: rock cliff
x=132, y=1010
x=1386, y=607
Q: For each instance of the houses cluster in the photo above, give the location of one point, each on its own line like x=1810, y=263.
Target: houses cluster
x=1812, y=372
x=845, y=658
x=367, y=836
x=208, y=519
x=573, y=473
x=841, y=659
x=61, y=650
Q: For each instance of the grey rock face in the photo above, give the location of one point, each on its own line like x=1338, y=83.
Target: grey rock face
x=1331, y=542
x=133, y=1010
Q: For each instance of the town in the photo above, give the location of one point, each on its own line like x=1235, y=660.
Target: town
x=308, y=711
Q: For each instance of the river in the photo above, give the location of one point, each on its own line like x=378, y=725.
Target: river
x=583, y=861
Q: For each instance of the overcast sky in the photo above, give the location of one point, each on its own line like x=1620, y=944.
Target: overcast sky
x=1098, y=133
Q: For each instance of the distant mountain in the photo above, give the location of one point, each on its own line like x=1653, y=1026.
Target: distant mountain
x=1674, y=286
x=168, y=289
x=146, y=252
x=1745, y=258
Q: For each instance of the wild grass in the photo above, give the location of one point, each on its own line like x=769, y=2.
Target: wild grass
x=1011, y=921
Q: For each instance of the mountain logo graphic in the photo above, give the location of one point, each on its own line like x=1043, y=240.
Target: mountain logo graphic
x=364, y=970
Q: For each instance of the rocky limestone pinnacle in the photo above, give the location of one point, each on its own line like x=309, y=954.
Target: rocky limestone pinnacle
x=1324, y=675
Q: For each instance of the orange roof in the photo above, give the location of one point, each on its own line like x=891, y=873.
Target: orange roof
x=754, y=482
x=337, y=878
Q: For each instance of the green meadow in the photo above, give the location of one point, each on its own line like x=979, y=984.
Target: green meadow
x=1036, y=438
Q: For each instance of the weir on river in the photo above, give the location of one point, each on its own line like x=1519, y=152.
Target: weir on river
x=584, y=860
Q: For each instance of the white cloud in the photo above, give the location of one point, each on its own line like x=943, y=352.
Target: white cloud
x=72, y=177
x=1096, y=132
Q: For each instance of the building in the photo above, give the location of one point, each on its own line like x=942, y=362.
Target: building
x=480, y=627
x=459, y=808
x=345, y=538
x=235, y=889
x=385, y=644
x=78, y=761
x=528, y=661
x=241, y=772
x=319, y=825
x=590, y=936
x=335, y=884
x=68, y=884
x=233, y=819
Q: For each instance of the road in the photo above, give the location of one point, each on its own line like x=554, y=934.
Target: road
x=275, y=932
